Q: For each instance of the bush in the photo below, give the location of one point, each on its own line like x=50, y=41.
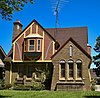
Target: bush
x=7, y=86
x=2, y=85
x=38, y=86
x=22, y=87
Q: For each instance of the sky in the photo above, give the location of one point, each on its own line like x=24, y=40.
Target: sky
x=72, y=13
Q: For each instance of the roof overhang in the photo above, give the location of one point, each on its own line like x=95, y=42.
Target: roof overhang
x=34, y=36
x=1, y=63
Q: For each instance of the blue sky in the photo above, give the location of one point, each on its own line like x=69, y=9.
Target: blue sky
x=74, y=13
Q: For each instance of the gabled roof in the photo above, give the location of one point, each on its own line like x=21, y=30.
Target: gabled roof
x=2, y=51
x=28, y=26
x=79, y=34
x=76, y=44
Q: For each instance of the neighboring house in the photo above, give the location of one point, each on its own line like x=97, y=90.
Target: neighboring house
x=2, y=56
x=64, y=52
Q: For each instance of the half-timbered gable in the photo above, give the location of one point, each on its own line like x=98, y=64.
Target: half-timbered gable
x=34, y=39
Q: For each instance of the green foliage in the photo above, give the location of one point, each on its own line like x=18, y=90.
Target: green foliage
x=8, y=7
x=96, y=59
x=93, y=82
x=2, y=84
x=22, y=87
x=38, y=86
x=7, y=86
x=48, y=94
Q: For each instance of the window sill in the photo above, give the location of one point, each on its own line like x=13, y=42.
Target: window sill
x=61, y=78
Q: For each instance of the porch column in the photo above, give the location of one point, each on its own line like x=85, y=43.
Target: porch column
x=10, y=72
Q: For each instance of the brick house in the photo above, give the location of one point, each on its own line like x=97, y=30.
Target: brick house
x=63, y=52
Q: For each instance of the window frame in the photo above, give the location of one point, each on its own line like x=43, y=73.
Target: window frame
x=79, y=70
x=31, y=45
x=70, y=51
x=72, y=71
x=38, y=45
x=61, y=77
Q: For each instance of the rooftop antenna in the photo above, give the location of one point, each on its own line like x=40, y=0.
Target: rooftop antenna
x=57, y=6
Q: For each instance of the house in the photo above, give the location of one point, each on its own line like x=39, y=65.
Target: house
x=2, y=56
x=63, y=53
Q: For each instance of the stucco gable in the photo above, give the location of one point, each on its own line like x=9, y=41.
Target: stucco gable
x=28, y=27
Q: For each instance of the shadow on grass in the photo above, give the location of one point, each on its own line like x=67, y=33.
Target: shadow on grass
x=1, y=96
x=92, y=96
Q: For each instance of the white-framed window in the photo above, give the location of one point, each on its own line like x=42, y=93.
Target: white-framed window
x=79, y=68
x=71, y=68
x=38, y=45
x=70, y=51
x=31, y=45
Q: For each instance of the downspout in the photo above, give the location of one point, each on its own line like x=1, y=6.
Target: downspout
x=48, y=49
x=19, y=52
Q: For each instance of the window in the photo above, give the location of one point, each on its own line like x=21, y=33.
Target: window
x=31, y=45
x=17, y=26
x=63, y=70
x=79, y=68
x=39, y=43
x=70, y=62
x=29, y=72
x=70, y=51
x=21, y=71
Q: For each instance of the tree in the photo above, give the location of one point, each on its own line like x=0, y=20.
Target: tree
x=96, y=59
x=8, y=7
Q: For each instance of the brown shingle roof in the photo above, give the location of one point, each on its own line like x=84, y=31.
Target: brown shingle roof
x=79, y=34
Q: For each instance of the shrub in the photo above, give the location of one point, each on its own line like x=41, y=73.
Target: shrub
x=2, y=85
x=7, y=86
x=38, y=86
x=22, y=87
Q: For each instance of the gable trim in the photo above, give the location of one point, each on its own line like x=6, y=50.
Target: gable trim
x=34, y=21
x=76, y=44
x=3, y=52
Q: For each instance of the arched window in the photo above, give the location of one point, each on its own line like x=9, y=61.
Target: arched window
x=62, y=67
x=71, y=68
x=79, y=68
x=70, y=51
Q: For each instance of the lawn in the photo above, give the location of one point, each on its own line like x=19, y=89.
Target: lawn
x=48, y=94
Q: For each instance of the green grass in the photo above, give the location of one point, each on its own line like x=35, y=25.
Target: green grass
x=48, y=94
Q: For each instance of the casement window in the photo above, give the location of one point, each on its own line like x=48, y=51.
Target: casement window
x=29, y=72
x=71, y=68
x=79, y=68
x=38, y=45
x=31, y=45
x=62, y=69
x=21, y=71
x=70, y=51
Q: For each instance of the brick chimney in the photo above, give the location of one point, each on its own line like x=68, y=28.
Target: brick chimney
x=17, y=28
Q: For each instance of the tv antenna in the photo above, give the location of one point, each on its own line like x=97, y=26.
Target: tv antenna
x=57, y=4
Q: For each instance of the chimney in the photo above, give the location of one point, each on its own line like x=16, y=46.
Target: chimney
x=89, y=49
x=17, y=28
